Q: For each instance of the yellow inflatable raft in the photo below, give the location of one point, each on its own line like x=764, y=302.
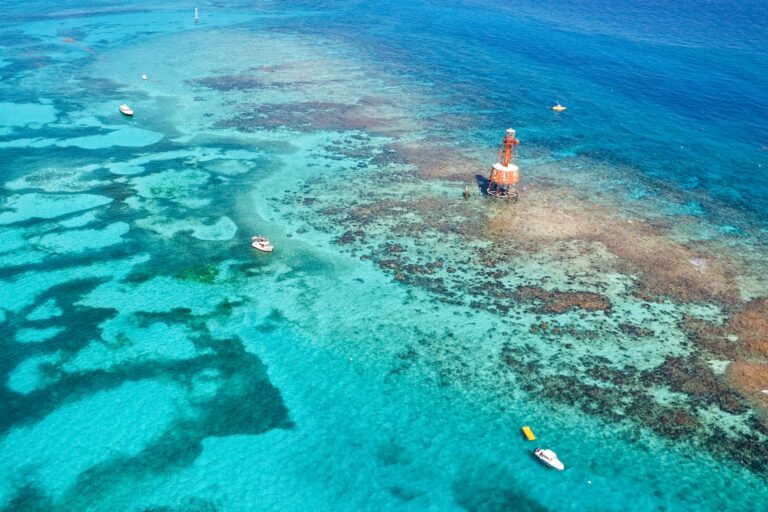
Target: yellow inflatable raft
x=528, y=433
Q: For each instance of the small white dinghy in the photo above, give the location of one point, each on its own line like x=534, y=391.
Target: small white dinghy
x=126, y=110
x=549, y=458
x=261, y=243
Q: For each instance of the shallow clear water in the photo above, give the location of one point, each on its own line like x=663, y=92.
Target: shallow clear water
x=385, y=356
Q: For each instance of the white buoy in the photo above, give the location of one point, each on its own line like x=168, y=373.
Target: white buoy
x=144, y=76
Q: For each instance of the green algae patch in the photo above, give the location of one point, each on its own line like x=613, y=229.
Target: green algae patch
x=202, y=274
x=172, y=185
x=55, y=180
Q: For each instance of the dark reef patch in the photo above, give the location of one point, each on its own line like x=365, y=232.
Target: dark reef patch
x=488, y=488
x=239, y=378
x=220, y=379
x=694, y=378
x=29, y=498
x=309, y=116
x=102, y=87
x=744, y=341
x=227, y=83
x=305, y=116
x=635, y=330
x=711, y=337
x=556, y=302
x=451, y=166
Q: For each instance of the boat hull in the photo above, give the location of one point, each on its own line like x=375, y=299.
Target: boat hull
x=551, y=462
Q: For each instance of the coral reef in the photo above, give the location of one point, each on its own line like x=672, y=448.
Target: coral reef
x=556, y=302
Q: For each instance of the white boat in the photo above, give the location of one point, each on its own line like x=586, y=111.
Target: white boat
x=126, y=110
x=144, y=76
x=261, y=243
x=559, y=108
x=549, y=458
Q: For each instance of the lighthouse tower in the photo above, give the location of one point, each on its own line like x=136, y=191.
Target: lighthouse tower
x=505, y=175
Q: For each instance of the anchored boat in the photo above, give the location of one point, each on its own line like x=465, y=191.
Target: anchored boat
x=549, y=458
x=126, y=110
x=261, y=243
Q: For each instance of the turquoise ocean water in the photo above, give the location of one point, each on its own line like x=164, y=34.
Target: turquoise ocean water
x=385, y=356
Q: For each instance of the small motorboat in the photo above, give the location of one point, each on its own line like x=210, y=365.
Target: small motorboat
x=126, y=110
x=559, y=108
x=261, y=243
x=549, y=458
x=144, y=77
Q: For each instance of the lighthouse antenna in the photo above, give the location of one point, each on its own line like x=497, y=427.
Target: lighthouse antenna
x=505, y=175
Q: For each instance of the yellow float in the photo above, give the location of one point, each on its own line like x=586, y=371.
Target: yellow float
x=528, y=433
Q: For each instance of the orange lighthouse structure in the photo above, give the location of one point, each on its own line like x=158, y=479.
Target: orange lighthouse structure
x=505, y=175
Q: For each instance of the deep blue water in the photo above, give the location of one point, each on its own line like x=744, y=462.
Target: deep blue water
x=674, y=90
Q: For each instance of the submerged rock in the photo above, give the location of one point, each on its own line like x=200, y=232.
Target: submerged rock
x=559, y=302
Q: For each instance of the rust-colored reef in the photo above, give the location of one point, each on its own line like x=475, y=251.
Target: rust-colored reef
x=751, y=324
x=751, y=380
x=557, y=302
x=663, y=267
